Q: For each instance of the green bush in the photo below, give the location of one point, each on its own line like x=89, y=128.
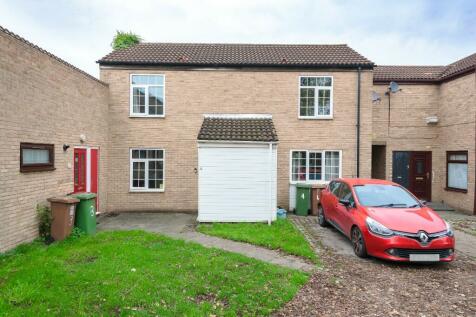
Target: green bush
x=45, y=218
x=124, y=40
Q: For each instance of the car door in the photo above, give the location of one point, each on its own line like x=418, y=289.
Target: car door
x=344, y=214
x=332, y=201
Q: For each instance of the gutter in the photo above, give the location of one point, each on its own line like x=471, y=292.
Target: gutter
x=359, y=70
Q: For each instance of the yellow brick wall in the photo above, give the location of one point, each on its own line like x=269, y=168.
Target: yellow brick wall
x=454, y=104
x=191, y=93
x=457, y=132
x=43, y=101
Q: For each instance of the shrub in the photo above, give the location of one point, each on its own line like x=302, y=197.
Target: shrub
x=124, y=40
x=45, y=218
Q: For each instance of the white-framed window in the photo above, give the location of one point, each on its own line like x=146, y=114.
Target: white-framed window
x=147, y=169
x=315, y=97
x=457, y=171
x=315, y=166
x=147, y=95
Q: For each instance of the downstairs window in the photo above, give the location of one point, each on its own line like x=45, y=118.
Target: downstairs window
x=313, y=166
x=147, y=170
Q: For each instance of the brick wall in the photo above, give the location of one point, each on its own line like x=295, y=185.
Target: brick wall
x=453, y=103
x=43, y=101
x=457, y=132
x=191, y=93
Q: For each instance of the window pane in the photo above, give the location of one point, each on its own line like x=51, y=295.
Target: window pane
x=135, y=153
x=315, y=166
x=298, y=168
x=156, y=96
x=458, y=157
x=147, y=79
x=306, y=105
x=324, y=81
x=458, y=175
x=303, y=81
x=138, y=174
x=36, y=156
x=138, y=100
x=332, y=165
x=324, y=102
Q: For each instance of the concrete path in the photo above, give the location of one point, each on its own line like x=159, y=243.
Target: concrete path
x=182, y=226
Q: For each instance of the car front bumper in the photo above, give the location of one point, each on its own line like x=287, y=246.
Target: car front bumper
x=398, y=248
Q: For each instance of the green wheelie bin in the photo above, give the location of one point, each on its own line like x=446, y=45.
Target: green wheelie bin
x=303, y=199
x=86, y=212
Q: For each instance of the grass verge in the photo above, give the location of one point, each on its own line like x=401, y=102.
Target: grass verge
x=141, y=274
x=281, y=235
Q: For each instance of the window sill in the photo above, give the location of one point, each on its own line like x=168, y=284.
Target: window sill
x=457, y=190
x=309, y=182
x=146, y=190
x=316, y=118
x=34, y=169
x=145, y=116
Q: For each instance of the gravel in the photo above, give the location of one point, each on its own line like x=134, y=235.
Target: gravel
x=350, y=286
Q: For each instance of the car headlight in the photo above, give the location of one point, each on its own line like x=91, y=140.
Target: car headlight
x=378, y=228
x=449, y=230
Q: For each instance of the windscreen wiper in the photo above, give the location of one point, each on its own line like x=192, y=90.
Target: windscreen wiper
x=391, y=205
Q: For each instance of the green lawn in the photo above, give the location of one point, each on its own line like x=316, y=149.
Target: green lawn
x=137, y=273
x=281, y=235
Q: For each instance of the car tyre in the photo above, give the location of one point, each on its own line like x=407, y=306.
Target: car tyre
x=358, y=243
x=321, y=217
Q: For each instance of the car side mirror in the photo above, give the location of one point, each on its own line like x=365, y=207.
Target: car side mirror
x=423, y=202
x=345, y=202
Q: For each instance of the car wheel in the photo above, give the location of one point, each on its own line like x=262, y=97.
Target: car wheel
x=321, y=217
x=358, y=243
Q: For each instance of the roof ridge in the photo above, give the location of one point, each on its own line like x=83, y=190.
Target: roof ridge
x=43, y=51
x=251, y=44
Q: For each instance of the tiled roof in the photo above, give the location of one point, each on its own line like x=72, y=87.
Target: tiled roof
x=408, y=73
x=283, y=55
x=26, y=42
x=424, y=73
x=238, y=129
x=460, y=66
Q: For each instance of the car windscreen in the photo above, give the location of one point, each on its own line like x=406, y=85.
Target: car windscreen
x=376, y=195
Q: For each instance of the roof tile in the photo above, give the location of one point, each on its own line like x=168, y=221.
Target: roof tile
x=283, y=55
x=238, y=129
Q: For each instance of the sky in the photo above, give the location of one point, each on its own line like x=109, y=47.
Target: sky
x=391, y=32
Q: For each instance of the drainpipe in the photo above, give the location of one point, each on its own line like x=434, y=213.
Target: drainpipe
x=358, y=121
x=474, y=209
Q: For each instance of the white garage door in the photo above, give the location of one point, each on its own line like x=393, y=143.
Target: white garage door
x=237, y=182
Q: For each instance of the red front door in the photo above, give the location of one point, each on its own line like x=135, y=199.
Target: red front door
x=420, y=175
x=79, y=170
x=94, y=156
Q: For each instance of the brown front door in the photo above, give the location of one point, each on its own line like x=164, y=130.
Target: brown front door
x=420, y=174
x=412, y=170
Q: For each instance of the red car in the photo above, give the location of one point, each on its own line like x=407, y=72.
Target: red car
x=384, y=220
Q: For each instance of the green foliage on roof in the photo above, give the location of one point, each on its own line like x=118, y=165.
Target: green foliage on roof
x=125, y=40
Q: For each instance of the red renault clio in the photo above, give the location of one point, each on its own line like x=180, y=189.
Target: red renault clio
x=384, y=220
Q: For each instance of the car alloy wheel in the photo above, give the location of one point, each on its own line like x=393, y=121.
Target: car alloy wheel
x=358, y=243
x=321, y=218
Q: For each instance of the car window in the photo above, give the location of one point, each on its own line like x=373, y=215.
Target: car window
x=346, y=193
x=334, y=188
x=377, y=195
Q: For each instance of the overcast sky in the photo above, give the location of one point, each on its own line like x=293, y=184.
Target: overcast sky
x=387, y=32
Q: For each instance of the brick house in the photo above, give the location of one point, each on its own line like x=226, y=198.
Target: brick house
x=207, y=127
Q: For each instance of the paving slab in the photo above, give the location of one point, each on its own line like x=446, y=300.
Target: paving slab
x=182, y=226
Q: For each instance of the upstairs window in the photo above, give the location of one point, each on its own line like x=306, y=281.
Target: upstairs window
x=315, y=97
x=457, y=171
x=147, y=96
x=314, y=166
x=36, y=157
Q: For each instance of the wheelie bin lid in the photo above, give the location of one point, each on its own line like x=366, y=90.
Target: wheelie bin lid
x=84, y=196
x=301, y=185
x=64, y=199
